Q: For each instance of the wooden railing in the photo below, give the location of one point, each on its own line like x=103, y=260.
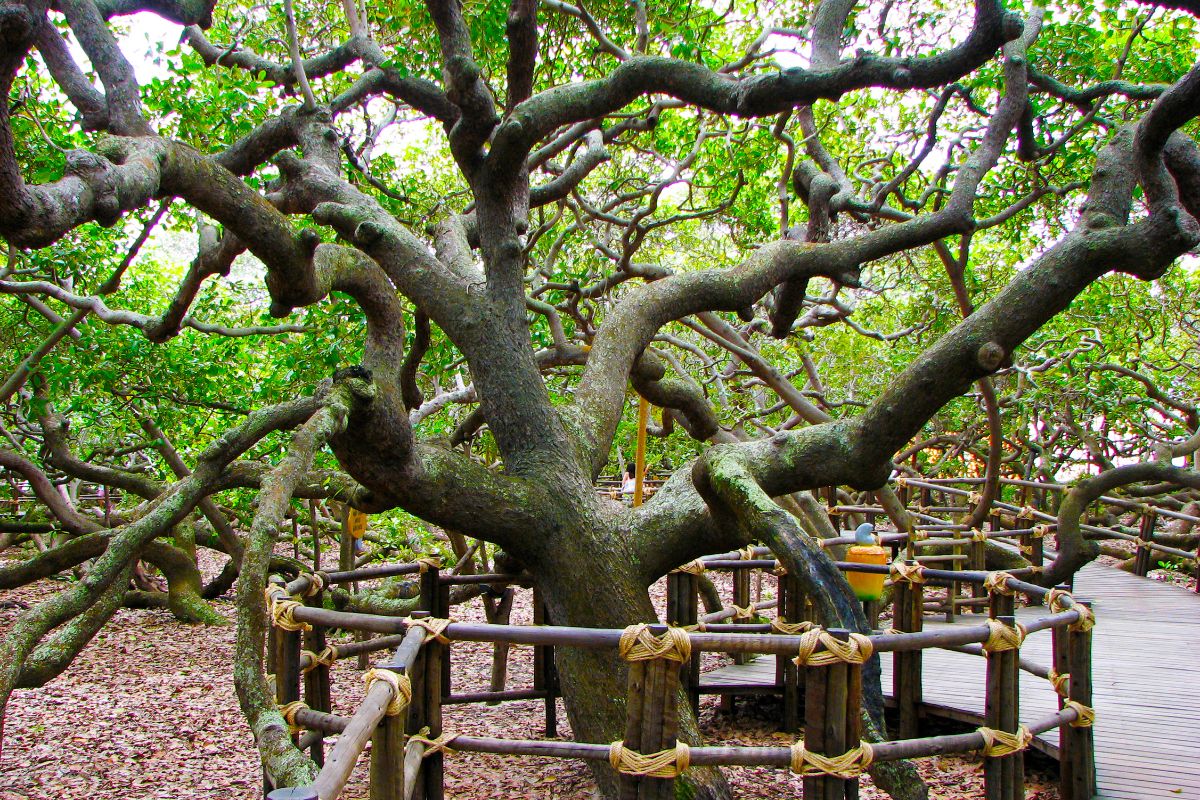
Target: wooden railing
x=822, y=666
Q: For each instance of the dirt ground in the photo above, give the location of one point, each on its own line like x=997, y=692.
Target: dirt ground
x=148, y=712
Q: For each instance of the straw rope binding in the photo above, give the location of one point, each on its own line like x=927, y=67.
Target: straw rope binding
x=401, y=688
x=663, y=764
x=282, y=610
x=855, y=650
x=639, y=644
x=847, y=766
x=997, y=744
x=1001, y=637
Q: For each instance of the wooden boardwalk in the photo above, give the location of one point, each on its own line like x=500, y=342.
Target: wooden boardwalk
x=1146, y=668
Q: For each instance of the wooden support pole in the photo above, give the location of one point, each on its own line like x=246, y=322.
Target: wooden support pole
x=498, y=611
x=317, y=691
x=1061, y=661
x=908, y=607
x=1082, y=742
x=1144, y=559
x=683, y=609
x=1003, y=776
x=831, y=721
x=651, y=723
x=741, y=599
x=545, y=675
x=387, y=759
x=639, y=477
x=793, y=606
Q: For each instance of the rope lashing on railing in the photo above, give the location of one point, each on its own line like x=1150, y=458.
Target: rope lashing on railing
x=434, y=627
x=323, y=659
x=282, y=610
x=978, y=535
x=289, y=711
x=1040, y=531
x=997, y=744
x=746, y=553
x=782, y=626
x=1060, y=682
x=316, y=582
x=693, y=567
x=975, y=498
x=401, y=688
x=663, y=764
x=855, y=650
x=438, y=744
x=906, y=573
x=639, y=644
x=426, y=563
x=699, y=627
x=749, y=612
x=1085, y=716
x=1001, y=637
x=847, y=766
x=1054, y=600
x=997, y=583
x=900, y=481
x=1027, y=512
x=1086, y=620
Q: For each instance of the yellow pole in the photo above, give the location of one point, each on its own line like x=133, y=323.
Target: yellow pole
x=639, y=476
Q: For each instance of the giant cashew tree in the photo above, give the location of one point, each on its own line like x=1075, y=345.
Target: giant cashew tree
x=565, y=205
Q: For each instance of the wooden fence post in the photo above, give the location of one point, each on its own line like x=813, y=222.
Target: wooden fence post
x=1061, y=669
x=792, y=608
x=683, y=610
x=1003, y=775
x=387, y=758
x=1081, y=740
x=652, y=713
x=908, y=608
x=317, y=689
x=832, y=720
x=1144, y=559
x=545, y=676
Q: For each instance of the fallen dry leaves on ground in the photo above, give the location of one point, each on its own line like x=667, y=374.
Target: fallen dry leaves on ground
x=148, y=712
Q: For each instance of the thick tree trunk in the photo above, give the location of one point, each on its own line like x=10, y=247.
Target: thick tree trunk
x=590, y=579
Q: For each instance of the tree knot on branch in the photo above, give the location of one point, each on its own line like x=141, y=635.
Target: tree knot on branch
x=100, y=175
x=639, y=644
x=997, y=744
x=663, y=764
x=847, y=766
x=401, y=688
x=1003, y=637
x=991, y=356
x=856, y=649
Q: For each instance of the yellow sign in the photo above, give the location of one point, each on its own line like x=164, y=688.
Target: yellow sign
x=356, y=523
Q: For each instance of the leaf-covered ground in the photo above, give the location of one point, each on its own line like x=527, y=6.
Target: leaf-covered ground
x=148, y=711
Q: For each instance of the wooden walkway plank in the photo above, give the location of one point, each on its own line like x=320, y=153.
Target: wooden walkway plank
x=1145, y=671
